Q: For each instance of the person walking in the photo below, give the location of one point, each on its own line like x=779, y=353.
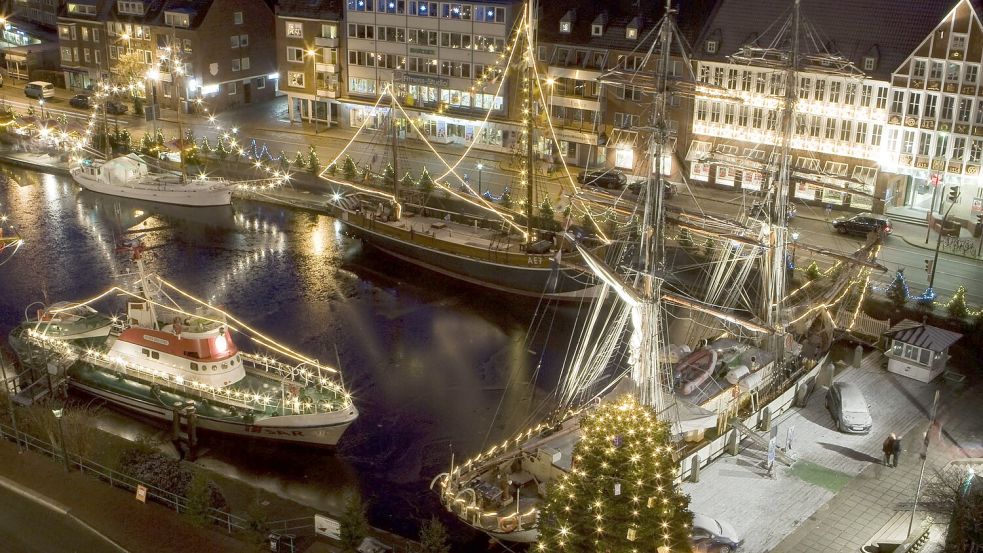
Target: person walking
x=895, y=451
x=888, y=448
x=829, y=211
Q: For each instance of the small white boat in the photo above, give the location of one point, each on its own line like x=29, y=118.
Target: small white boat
x=130, y=176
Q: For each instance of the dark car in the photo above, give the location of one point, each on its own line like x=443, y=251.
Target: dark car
x=863, y=224
x=668, y=189
x=604, y=178
x=116, y=108
x=757, y=210
x=80, y=101
x=710, y=535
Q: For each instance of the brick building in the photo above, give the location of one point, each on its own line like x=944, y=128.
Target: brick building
x=310, y=57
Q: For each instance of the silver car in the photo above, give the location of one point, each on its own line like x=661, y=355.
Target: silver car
x=710, y=535
x=849, y=408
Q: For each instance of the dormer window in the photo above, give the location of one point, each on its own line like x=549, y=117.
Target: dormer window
x=958, y=45
x=129, y=7
x=597, y=26
x=631, y=31
x=870, y=63
x=81, y=9
x=566, y=22
x=711, y=47
x=176, y=19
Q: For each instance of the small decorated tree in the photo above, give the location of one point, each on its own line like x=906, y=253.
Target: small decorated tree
x=348, y=168
x=620, y=496
x=221, y=149
x=813, y=272
x=189, y=148
x=898, y=291
x=407, y=181
x=147, y=145
x=686, y=238
x=957, y=305
x=433, y=537
x=204, y=145
x=426, y=182
x=547, y=215
x=354, y=526
x=507, y=200
x=283, y=161
x=389, y=176
x=313, y=163
x=299, y=161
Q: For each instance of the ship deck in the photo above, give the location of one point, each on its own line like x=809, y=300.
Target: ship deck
x=454, y=232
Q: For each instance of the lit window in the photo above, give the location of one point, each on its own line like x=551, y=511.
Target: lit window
x=870, y=63
x=237, y=18
x=711, y=46
x=565, y=26
x=295, y=29
x=596, y=30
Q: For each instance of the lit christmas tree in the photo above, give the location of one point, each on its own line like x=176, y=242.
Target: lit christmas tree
x=898, y=291
x=957, y=305
x=619, y=496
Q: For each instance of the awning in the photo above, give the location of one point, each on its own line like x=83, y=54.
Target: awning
x=698, y=149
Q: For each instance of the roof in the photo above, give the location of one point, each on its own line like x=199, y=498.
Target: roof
x=619, y=14
x=923, y=335
x=888, y=29
x=327, y=10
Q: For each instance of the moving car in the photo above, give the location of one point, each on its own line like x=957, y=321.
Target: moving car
x=862, y=223
x=710, y=535
x=668, y=188
x=849, y=408
x=116, y=108
x=39, y=89
x=603, y=178
x=80, y=101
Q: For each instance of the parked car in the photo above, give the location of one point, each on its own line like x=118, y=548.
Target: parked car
x=757, y=209
x=849, y=408
x=710, y=535
x=39, y=89
x=668, y=189
x=603, y=178
x=80, y=101
x=862, y=223
x=116, y=108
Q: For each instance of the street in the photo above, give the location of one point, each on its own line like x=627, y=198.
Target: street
x=27, y=527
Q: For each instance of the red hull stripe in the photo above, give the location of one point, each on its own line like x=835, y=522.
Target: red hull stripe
x=166, y=342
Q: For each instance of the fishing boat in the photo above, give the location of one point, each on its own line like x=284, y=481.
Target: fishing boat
x=741, y=316
x=132, y=176
x=162, y=358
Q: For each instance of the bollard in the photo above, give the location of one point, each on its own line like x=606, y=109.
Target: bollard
x=694, y=473
x=766, y=419
x=858, y=356
x=176, y=424
x=192, y=434
x=801, y=394
x=732, y=441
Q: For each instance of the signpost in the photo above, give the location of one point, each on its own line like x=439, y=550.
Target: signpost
x=327, y=527
x=772, y=443
x=141, y=493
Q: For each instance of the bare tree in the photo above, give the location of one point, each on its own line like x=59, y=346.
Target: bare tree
x=954, y=493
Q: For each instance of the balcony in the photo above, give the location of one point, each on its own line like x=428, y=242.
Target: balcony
x=326, y=67
x=324, y=42
x=327, y=92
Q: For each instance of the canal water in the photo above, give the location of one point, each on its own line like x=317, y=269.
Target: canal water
x=435, y=367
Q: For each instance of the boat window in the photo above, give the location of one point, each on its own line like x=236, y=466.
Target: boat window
x=214, y=367
x=145, y=351
x=194, y=366
x=225, y=366
x=154, y=355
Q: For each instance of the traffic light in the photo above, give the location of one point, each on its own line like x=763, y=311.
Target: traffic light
x=928, y=266
x=953, y=194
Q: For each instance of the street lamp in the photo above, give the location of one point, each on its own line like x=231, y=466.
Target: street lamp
x=41, y=103
x=153, y=75
x=61, y=436
x=795, y=241
x=953, y=197
x=479, y=167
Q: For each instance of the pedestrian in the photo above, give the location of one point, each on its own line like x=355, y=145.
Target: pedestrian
x=896, y=451
x=829, y=211
x=888, y=448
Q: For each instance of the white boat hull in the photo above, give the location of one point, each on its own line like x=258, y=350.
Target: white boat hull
x=325, y=434
x=168, y=193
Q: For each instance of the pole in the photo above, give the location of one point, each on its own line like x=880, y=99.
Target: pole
x=938, y=244
x=921, y=473
x=61, y=438
x=479, y=182
x=530, y=172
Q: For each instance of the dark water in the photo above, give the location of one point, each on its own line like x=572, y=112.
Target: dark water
x=433, y=366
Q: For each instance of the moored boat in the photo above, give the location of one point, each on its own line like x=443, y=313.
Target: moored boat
x=131, y=176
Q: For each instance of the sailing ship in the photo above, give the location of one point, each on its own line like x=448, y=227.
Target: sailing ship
x=761, y=346
x=162, y=358
x=476, y=240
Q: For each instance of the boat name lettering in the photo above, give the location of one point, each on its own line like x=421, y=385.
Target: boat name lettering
x=156, y=340
x=535, y=260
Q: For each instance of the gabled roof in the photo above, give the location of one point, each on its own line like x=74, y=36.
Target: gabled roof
x=923, y=335
x=855, y=28
x=327, y=10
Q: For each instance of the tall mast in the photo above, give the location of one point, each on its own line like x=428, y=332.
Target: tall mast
x=395, y=146
x=105, y=122
x=530, y=172
x=177, y=69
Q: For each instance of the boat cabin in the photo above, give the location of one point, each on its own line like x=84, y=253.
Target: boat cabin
x=918, y=350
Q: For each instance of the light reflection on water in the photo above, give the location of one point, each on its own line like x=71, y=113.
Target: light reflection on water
x=428, y=362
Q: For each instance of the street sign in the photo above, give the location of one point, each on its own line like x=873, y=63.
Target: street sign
x=771, y=453
x=141, y=493
x=789, y=436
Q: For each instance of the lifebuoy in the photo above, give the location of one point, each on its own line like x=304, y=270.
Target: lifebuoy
x=508, y=524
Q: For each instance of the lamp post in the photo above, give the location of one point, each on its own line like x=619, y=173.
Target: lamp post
x=153, y=75
x=480, y=166
x=795, y=240
x=953, y=197
x=41, y=103
x=61, y=436
x=312, y=53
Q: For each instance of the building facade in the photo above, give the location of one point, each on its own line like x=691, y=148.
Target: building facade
x=203, y=53
x=309, y=57
x=434, y=54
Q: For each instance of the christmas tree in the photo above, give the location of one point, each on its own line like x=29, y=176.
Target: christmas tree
x=433, y=537
x=348, y=168
x=354, y=526
x=898, y=291
x=389, y=175
x=299, y=162
x=313, y=163
x=957, y=305
x=813, y=272
x=426, y=181
x=619, y=496
x=407, y=181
